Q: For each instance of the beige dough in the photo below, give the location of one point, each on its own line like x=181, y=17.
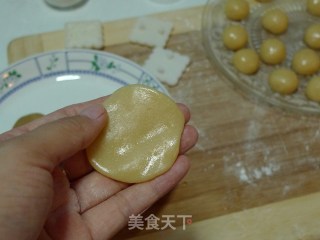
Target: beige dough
x=237, y=9
x=272, y=51
x=275, y=21
x=313, y=89
x=283, y=81
x=246, y=61
x=26, y=119
x=306, y=61
x=235, y=37
x=312, y=36
x=313, y=6
x=142, y=138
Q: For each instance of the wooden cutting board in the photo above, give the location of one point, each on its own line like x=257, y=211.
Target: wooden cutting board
x=255, y=171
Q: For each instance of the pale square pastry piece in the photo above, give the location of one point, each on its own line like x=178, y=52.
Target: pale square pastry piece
x=151, y=32
x=166, y=65
x=84, y=34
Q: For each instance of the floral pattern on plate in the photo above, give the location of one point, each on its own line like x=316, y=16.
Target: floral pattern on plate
x=46, y=82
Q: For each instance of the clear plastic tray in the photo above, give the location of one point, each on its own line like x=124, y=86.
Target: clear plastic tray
x=214, y=22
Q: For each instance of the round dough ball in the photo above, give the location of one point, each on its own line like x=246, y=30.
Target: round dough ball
x=275, y=21
x=312, y=36
x=313, y=89
x=313, y=7
x=272, y=51
x=237, y=9
x=27, y=118
x=235, y=37
x=142, y=138
x=246, y=61
x=283, y=81
x=306, y=62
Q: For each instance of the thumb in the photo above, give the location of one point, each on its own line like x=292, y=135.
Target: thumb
x=52, y=143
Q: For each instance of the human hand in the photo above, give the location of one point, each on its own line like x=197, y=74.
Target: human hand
x=48, y=190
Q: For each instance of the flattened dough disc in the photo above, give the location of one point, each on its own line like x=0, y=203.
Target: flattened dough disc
x=142, y=137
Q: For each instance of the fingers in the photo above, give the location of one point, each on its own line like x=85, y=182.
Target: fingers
x=91, y=188
x=185, y=110
x=94, y=188
x=189, y=135
x=68, y=111
x=54, y=142
x=188, y=139
x=132, y=200
x=78, y=166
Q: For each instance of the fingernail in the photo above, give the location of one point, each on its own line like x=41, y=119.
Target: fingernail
x=94, y=111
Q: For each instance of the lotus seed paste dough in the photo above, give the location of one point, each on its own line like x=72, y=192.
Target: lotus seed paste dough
x=142, y=136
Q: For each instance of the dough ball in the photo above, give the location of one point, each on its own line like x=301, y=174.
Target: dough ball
x=246, y=61
x=313, y=89
x=273, y=51
x=235, y=37
x=306, y=62
x=283, y=81
x=26, y=119
x=275, y=21
x=263, y=1
x=237, y=9
x=313, y=7
x=312, y=36
x=142, y=138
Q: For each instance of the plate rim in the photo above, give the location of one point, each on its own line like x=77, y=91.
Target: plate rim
x=88, y=51
x=42, y=75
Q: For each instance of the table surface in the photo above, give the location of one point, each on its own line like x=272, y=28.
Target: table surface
x=27, y=17
x=255, y=171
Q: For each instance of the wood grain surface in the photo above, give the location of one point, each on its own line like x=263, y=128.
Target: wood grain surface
x=255, y=171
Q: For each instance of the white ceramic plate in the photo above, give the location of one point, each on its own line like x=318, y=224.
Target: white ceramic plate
x=49, y=81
